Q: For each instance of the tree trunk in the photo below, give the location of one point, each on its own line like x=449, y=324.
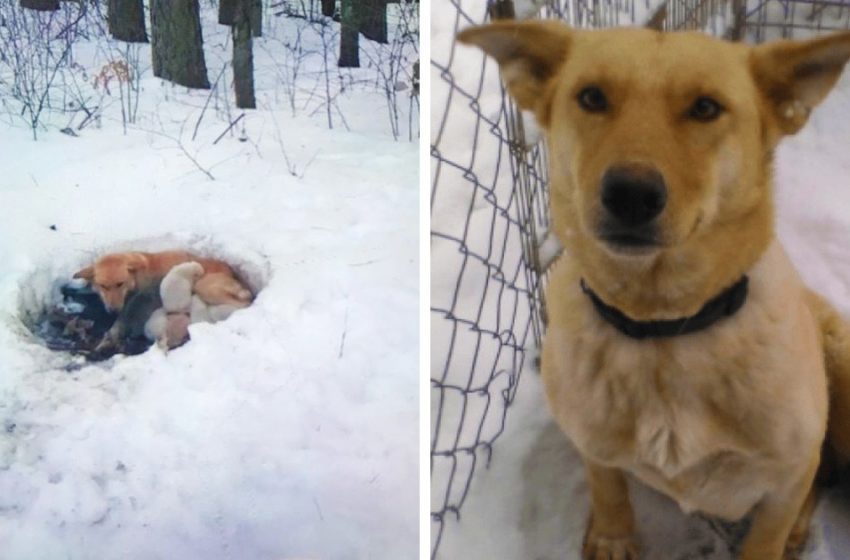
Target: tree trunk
x=349, y=47
x=416, y=78
x=41, y=5
x=255, y=13
x=177, y=42
x=373, y=19
x=243, y=55
x=227, y=12
x=328, y=7
x=127, y=20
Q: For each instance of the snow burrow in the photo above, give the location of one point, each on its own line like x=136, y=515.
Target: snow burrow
x=39, y=291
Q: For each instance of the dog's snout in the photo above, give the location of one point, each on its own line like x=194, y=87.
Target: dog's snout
x=633, y=194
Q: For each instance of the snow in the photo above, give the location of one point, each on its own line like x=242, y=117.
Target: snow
x=288, y=430
x=530, y=499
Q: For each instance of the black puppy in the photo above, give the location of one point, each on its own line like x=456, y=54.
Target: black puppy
x=130, y=323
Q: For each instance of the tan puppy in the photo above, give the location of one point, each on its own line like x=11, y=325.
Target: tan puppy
x=115, y=275
x=661, y=151
x=168, y=330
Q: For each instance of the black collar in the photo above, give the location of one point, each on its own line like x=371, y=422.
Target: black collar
x=725, y=304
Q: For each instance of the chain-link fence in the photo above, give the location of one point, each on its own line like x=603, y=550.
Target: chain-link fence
x=489, y=212
x=772, y=19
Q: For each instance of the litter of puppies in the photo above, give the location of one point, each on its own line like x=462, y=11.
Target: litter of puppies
x=132, y=300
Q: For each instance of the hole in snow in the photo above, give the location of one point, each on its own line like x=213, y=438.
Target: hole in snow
x=67, y=315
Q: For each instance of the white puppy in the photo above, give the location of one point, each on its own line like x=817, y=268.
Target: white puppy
x=169, y=325
x=176, y=287
x=202, y=312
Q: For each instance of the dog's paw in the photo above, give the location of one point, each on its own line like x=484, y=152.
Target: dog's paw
x=605, y=548
x=794, y=548
x=243, y=295
x=106, y=344
x=795, y=545
x=792, y=554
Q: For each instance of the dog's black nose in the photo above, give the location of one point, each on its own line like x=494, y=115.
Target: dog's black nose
x=634, y=194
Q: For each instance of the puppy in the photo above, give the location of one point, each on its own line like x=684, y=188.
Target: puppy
x=132, y=319
x=115, y=275
x=682, y=346
x=202, y=312
x=169, y=326
x=168, y=330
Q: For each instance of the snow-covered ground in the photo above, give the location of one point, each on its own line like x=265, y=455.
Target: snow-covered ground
x=532, y=502
x=288, y=430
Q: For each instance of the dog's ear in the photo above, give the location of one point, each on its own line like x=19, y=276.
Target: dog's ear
x=795, y=76
x=529, y=54
x=86, y=274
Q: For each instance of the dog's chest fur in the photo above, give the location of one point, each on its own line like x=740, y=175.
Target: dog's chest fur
x=705, y=418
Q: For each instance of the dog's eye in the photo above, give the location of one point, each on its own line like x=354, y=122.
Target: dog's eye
x=119, y=284
x=705, y=109
x=592, y=100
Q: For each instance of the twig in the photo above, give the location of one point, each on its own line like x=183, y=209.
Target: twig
x=193, y=160
x=226, y=130
x=185, y=152
x=72, y=24
x=204, y=110
x=344, y=332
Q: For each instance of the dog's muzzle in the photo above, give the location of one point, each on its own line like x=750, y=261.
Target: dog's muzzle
x=633, y=196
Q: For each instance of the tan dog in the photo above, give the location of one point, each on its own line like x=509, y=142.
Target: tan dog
x=115, y=275
x=661, y=152
x=218, y=288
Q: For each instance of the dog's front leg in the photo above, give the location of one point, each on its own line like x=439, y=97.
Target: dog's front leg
x=781, y=520
x=610, y=532
x=111, y=339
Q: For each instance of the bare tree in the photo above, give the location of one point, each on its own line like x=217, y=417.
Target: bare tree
x=243, y=55
x=349, y=43
x=127, y=20
x=373, y=19
x=41, y=5
x=177, y=42
x=32, y=62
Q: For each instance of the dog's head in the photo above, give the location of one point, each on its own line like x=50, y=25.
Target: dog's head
x=113, y=277
x=657, y=139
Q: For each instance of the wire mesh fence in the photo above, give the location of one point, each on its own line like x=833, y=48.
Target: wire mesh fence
x=487, y=201
x=771, y=19
x=489, y=212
